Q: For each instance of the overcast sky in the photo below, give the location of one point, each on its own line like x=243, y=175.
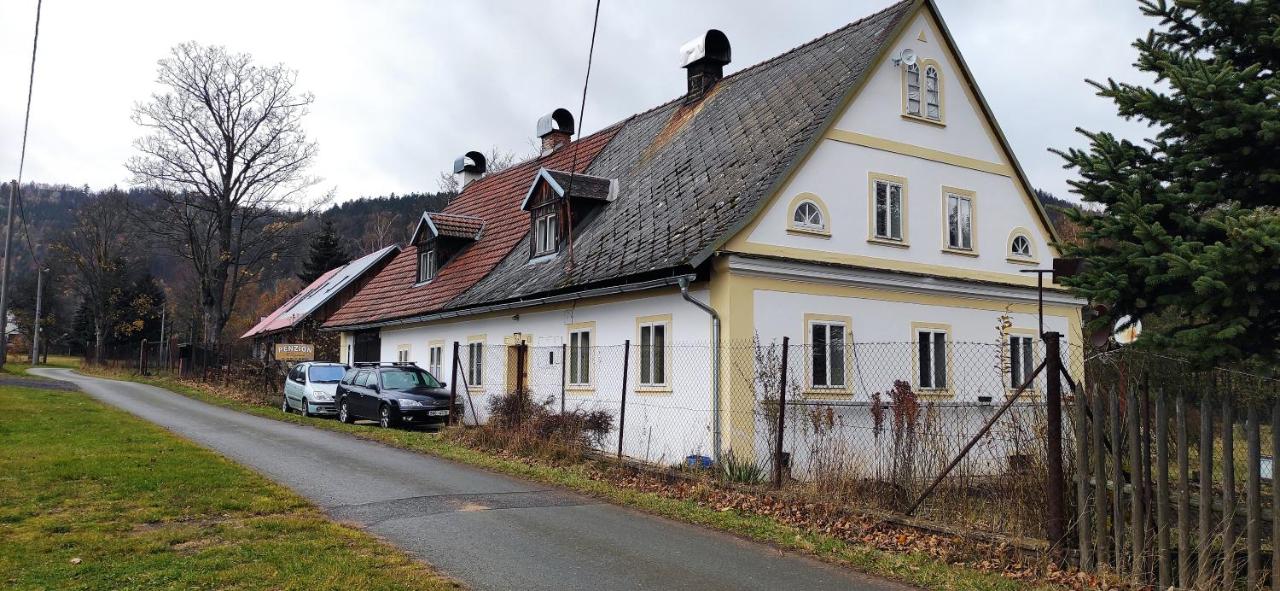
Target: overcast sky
x=402, y=87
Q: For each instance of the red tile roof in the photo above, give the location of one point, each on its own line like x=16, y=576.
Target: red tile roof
x=496, y=199
x=457, y=226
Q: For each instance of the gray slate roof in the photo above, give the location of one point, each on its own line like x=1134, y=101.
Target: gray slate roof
x=689, y=176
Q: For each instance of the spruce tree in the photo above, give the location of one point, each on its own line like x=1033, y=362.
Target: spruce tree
x=325, y=252
x=1184, y=228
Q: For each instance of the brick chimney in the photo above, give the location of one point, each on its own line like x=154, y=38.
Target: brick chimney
x=555, y=129
x=703, y=59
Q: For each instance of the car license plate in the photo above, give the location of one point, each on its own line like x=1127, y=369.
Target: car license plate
x=438, y=413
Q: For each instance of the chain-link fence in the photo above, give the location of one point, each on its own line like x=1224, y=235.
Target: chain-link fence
x=869, y=425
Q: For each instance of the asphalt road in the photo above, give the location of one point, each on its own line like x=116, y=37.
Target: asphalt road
x=487, y=530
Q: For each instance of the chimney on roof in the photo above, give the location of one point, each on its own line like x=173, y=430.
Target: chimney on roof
x=471, y=166
x=555, y=129
x=703, y=59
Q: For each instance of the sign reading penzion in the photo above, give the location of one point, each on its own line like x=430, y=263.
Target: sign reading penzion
x=295, y=352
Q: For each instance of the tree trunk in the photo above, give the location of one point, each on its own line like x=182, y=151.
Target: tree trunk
x=98, y=339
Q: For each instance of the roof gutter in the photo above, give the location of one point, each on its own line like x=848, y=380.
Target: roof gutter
x=522, y=303
x=715, y=365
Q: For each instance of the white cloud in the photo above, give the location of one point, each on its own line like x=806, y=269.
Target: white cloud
x=402, y=87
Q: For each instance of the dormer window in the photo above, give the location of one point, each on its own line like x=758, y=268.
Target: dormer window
x=557, y=199
x=427, y=265
x=546, y=235
x=441, y=236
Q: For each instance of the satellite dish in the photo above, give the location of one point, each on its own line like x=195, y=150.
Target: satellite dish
x=906, y=56
x=1132, y=329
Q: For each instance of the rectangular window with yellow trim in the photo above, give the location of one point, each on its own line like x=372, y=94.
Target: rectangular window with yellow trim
x=1022, y=359
x=932, y=357
x=580, y=358
x=827, y=355
x=655, y=338
x=435, y=359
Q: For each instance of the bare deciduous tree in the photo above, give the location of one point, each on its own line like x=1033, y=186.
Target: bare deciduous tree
x=96, y=249
x=227, y=150
x=383, y=229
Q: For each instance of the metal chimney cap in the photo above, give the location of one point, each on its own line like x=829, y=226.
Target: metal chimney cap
x=710, y=47
x=469, y=162
x=558, y=120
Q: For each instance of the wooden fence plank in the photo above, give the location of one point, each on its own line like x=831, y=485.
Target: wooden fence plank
x=1099, y=470
x=1228, y=489
x=1184, y=492
x=1082, y=480
x=1117, y=478
x=1275, y=495
x=1253, y=528
x=1162, y=490
x=1204, y=508
x=1137, y=527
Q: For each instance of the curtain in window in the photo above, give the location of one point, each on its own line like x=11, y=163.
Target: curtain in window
x=933, y=109
x=913, y=89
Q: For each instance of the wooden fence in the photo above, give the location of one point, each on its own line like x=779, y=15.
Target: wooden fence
x=1174, y=486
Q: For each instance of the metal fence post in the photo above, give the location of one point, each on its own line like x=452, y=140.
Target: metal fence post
x=453, y=385
x=622, y=414
x=142, y=357
x=1053, y=446
x=782, y=411
x=564, y=369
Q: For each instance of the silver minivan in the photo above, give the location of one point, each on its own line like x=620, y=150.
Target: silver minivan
x=310, y=387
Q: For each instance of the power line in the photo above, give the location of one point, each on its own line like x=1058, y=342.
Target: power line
x=26, y=126
x=582, y=108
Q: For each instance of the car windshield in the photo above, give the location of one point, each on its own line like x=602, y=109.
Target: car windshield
x=326, y=373
x=405, y=379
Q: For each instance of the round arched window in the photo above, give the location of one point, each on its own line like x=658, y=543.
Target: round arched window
x=808, y=216
x=1020, y=247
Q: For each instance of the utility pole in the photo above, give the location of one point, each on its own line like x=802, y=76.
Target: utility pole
x=163, y=343
x=4, y=276
x=35, y=326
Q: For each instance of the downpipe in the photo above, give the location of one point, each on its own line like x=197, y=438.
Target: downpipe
x=715, y=366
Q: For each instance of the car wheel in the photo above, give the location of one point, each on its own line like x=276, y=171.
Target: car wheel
x=343, y=414
x=305, y=412
x=385, y=419
x=284, y=404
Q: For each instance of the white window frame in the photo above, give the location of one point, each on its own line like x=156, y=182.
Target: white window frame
x=805, y=224
x=1022, y=358
x=402, y=354
x=435, y=359
x=546, y=239
x=925, y=341
x=475, y=363
x=909, y=86
x=829, y=357
x=579, y=371
x=932, y=97
x=650, y=357
x=965, y=202
x=885, y=215
x=427, y=265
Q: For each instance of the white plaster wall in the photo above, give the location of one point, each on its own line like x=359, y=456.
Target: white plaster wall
x=661, y=427
x=838, y=173
x=881, y=334
x=877, y=110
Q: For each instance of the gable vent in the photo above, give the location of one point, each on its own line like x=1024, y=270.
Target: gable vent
x=703, y=59
x=555, y=129
x=470, y=165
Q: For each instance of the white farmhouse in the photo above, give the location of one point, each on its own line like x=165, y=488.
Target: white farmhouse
x=853, y=191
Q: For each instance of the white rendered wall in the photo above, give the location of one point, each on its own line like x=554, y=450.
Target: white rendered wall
x=660, y=426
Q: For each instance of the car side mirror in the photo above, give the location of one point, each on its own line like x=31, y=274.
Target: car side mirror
x=444, y=384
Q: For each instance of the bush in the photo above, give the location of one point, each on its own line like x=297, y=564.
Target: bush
x=517, y=423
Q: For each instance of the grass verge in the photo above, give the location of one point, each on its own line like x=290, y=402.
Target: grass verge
x=910, y=567
x=93, y=498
